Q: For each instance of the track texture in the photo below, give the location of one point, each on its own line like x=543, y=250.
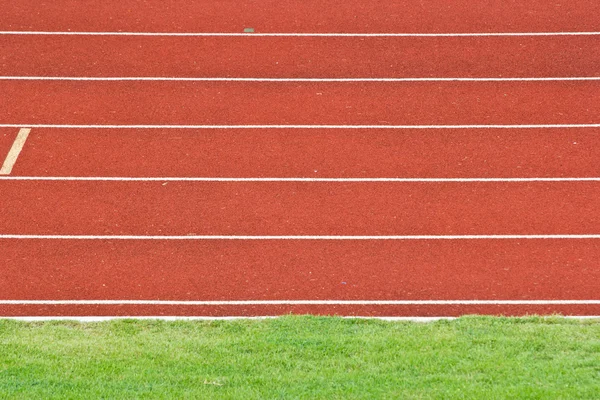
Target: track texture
x=342, y=153
x=85, y=170
x=353, y=16
x=301, y=57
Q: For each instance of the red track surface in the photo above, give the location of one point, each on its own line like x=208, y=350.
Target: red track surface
x=415, y=271
x=346, y=153
x=379, y=103
x=306, y=57
x=270, y=270
x=305, y=16
x=299, y=208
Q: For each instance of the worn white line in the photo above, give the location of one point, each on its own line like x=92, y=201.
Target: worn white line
x=297, y=237
x=298, y=302
x=258, y=79
x=275, y=179
x=209, y=318
x=159, y=317
x=230, y=318
x=474, y=126
x=14, y=151
x=299, y=34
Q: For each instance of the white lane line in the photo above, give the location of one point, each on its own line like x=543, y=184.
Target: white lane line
x=209, y=318
x=290, y=34
x=212, y=79
x=14, y=151
x=297, y=237
x=298, y=302
x=173, y=318
x=113, y=126
x=341, y=180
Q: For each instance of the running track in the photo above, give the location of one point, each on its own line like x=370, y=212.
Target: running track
x=345, y=157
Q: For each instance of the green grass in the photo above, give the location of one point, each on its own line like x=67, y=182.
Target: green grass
x=302, y=358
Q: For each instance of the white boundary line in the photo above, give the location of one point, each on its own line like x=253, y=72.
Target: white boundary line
x=290, y=34
x=297, y=237
x=213, y=79
x=473, y=126
x=14, y=151
x=340, y=180
x=298, y=302
x=208, y=318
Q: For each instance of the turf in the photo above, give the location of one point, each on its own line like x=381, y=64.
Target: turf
x=302, y=357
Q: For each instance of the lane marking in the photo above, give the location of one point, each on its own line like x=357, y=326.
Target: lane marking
x=14, y=151
x=209, y=318
x=213, y=179
x=219, y=79
x=284, y=34
x=298, y=237
x=298, y=302
x=95, y=126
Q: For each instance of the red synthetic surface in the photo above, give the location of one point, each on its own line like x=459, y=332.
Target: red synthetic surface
x=527, y=269
x=345, y=153
x=306, y=57
x=271, y=270
x=395, y=16
x=299, y=208
x=300, y=103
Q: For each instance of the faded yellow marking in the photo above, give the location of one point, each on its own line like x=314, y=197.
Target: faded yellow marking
x=14, y=152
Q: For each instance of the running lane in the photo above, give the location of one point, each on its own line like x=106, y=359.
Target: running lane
x=299, y=208
x=146, y=103
x=413, y=271
x=303, y=57
x=301, y=16
x=311, y=153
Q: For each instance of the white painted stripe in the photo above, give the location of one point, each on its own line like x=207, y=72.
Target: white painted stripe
x=297, y=237
x=340, y=180
x=14, y=151
x=209, y=318
x=158, y=317
x=290, y=34
x=113, y=126
x=298, y=302
x=211, y=79
x=231, y=318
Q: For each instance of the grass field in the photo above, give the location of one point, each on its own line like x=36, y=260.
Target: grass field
x=302, y=357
